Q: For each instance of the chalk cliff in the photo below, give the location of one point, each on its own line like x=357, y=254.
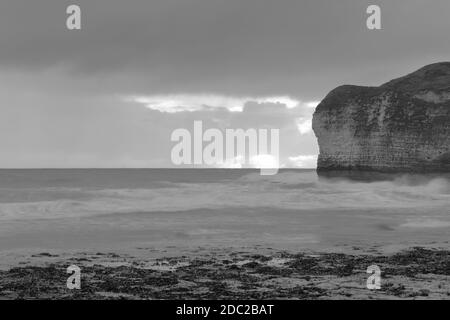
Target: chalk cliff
x=400, y=126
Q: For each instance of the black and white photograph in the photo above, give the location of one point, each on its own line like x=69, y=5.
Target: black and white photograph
x=243, y=151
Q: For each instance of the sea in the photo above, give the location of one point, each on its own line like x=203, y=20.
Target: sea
x=107, y=209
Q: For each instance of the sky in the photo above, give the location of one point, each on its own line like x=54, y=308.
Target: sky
x=110, y=95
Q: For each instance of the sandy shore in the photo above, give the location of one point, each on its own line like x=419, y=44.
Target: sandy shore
x=416, y=273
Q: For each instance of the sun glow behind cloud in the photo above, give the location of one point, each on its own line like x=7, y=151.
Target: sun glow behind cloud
x=303, y=161
x=262, y=161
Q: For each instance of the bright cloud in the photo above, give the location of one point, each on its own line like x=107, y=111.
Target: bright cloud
x=304, y=161
x=312, y=104
x=304, y=126
x=186, y=102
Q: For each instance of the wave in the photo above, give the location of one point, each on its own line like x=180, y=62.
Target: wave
x=290, y=190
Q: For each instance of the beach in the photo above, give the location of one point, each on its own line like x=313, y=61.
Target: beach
x=177, y=234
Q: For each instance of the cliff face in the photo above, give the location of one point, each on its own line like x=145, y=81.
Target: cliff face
x=401, y=126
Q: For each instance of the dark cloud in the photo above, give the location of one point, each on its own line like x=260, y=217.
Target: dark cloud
x=301, y=48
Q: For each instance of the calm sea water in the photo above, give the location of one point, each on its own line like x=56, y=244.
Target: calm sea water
x=94, y=209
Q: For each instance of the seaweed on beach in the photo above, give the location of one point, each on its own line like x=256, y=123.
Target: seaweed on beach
x=279, y=275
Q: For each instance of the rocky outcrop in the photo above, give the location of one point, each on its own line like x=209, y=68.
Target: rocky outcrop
x=401, y=126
